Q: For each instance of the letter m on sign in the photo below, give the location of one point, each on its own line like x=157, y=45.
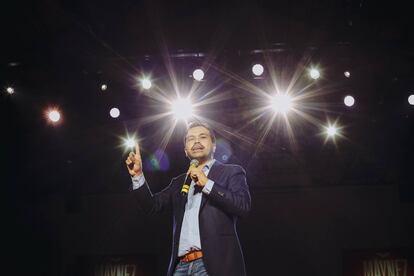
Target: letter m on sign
x=369, y=268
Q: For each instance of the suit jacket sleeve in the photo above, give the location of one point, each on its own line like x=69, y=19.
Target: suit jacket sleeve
x=233, y=197
x=153, y=203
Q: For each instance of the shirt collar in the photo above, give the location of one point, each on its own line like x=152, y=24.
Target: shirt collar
x=209, y=164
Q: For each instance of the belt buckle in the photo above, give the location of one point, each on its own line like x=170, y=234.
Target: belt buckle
x=186, y=257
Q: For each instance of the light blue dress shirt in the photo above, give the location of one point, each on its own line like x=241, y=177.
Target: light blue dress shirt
x=190, y=231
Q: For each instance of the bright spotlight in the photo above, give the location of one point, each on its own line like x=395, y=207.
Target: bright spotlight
x=198, y=74
x=314, y=74
x=114, y=112
x=281, y=103
x=146, y=83
x=130, y=142
x=349, y=101
x=257, y=69
x=347, y=74
x=182, y=109
x=53, y=116
x=411, y=99
x=10, y=90
x=331, y=131
x=104, y=87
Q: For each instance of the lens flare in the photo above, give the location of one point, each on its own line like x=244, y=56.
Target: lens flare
x=314, y=74
x=182, y=109
x=331, y=131
x=130, y=142
x=146, y=83
x=281, y=103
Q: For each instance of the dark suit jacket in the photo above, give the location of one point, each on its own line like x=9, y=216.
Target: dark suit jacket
x=228, y=200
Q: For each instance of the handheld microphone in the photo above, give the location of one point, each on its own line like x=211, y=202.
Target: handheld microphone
x=186, y=186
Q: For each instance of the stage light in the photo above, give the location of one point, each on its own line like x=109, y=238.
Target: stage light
x=104, y=87
x=314, y=74
x=349, y=101
x=114, y=112
x=53, y=116
x=347, y=74
x=331, y=131
x=411, y=99
x=198, y=74
x=146, y=83
x=281, y=103
x=130, y=142
x=10, y=90
x=257, y=69
x=182, y=109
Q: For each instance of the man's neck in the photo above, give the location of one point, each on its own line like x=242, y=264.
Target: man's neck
x=204, y=162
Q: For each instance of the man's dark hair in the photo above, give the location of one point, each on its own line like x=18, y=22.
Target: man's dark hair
x=202, y=124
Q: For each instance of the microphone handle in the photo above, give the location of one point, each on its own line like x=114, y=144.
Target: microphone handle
x=187, y=182
x=186, y=185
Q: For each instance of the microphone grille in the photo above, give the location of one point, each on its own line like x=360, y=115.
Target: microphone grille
x=194, y=162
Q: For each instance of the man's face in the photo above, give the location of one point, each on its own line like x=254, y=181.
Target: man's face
x=198, y=144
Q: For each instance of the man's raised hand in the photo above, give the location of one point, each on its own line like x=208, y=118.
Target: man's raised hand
x=134, y=162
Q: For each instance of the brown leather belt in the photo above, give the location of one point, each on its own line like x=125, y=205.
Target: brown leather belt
x=191, y=256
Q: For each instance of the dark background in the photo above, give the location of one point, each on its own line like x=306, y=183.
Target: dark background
x=65, y=187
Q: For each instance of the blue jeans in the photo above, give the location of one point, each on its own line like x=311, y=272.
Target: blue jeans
x=194, y=268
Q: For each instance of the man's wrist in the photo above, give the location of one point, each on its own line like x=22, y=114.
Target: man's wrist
x=137, y=174
x=208, y=187
x=138, y=181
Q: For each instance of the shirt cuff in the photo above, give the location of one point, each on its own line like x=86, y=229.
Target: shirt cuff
x=138, y=181
x=208, y=187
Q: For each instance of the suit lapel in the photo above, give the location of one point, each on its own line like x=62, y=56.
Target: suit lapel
x=203, y=201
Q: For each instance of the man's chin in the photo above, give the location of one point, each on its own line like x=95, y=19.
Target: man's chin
x=199, y=156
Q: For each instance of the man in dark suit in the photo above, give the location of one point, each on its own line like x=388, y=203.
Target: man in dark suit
x=205, y=240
